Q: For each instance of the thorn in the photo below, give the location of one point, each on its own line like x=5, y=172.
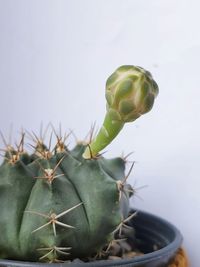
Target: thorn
x=45, y=154
x=30, y=136
x=50, y=140
x=37, y=139
x=130, y=217
x=58, y=164
x=13, y=154
x=49, y=174
x=67, y=211
x=41, y=129
x=66, y=136
x=61, y=250
x=60, y=129
x=91, y=156
x=14, y=159
x=58, y=135
x=41, y=227
x=113, y=242
x=123, y=224
x=121, y=184
x=92, y=132
x=43, y=136
x=54, y=130
x=135, y=190
x=46, y=255
x=54, y=227
x=39, y=147
x=34, y=148
x=53, y=219
x=94, y=156
x=101, y=154
x=20, y=147
x=37, y=213
x=55, y=250
x=127, y=156
x=128, y=174
x=60, y=146
x=64, y=225
x=122, y=189
x=101, y=254
x=75, y=137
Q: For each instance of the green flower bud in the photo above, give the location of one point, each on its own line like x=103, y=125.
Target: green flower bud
x=130, y=92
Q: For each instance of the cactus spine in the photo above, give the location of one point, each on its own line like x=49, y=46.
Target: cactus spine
x=53, y=200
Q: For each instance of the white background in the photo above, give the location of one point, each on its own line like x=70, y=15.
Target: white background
x=54, y=59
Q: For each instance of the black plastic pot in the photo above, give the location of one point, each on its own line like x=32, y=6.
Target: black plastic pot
x=151, y=232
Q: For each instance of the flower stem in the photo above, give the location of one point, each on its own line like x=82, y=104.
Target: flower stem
x=107, y=133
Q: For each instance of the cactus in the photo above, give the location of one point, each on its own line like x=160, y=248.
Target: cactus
x=51, y=201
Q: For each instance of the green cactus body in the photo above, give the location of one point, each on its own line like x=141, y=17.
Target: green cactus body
x=49, y=206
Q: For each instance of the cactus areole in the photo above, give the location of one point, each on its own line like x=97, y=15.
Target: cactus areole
x=61, y=204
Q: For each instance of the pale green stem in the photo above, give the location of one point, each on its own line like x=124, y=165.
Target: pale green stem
x=107, y=133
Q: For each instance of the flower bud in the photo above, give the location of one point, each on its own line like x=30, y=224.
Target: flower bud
x=130, y=92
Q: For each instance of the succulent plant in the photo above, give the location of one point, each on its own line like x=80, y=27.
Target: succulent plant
x=51, y=201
